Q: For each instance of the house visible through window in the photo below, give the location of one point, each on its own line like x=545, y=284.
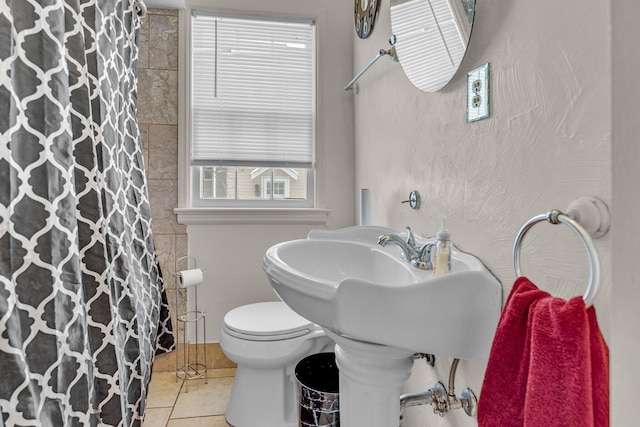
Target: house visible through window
x=279, y=189
x=252, y=111
x=219, y=182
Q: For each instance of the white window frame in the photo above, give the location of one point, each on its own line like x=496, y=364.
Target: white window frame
x=305, y=9
x=234, y=202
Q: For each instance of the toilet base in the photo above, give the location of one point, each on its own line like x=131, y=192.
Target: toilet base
x=268, y=395
x=264, y=389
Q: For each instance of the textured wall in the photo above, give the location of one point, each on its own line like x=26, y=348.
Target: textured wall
x=547, y=142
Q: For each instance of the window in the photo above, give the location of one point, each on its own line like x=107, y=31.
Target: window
x=252, y=111
x=214, y=183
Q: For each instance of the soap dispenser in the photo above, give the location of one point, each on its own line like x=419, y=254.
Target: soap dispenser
x=442, y=254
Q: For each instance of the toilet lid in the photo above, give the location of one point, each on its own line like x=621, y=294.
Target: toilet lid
x=266, y=321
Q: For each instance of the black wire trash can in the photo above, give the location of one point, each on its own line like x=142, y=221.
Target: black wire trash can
x=318, y=386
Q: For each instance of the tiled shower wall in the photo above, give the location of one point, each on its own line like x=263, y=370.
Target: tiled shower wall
x=158, y=119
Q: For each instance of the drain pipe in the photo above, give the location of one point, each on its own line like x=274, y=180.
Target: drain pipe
x=415, y=399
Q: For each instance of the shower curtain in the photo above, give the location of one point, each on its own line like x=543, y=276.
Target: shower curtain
x=82, y=302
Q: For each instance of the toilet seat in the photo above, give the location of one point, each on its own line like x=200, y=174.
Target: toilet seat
x=266, y=321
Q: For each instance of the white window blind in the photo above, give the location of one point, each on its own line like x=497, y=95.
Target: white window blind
x=253, y=92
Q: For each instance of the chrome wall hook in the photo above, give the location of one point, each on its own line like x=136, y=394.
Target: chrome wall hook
x=414, y=200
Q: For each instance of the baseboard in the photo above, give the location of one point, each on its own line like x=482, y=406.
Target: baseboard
x=216, y=359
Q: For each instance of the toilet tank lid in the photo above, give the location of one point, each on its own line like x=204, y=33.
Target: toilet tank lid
x=267, y=319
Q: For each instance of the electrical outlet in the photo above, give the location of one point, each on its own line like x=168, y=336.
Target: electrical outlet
x=478, y=93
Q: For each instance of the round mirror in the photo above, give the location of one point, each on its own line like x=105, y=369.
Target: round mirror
x=431, y=38
x=364, y=17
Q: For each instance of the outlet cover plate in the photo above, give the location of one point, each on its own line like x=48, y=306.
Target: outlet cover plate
x=478, y=93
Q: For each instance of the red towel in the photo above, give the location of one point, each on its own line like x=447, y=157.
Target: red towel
x=549, y=364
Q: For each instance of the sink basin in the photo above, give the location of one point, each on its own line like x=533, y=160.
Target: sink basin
x=345, y=282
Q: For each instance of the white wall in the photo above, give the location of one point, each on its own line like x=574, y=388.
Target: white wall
x=232, y=249
x=547, y=142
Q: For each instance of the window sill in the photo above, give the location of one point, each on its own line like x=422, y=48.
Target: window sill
x=200, y=216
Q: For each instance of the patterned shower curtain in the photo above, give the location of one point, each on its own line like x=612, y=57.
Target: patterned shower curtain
x=82, y=302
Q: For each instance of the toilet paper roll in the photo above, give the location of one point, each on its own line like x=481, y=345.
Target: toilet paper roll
x=188, y=278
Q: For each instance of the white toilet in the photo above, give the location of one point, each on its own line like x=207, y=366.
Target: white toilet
x=266, y=340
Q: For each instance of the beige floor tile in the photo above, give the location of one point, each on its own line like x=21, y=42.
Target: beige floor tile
x=218, y=421
x=163, y=390
x=222, y=372
x=157, y=417
x=204, y=400
x=165, y=362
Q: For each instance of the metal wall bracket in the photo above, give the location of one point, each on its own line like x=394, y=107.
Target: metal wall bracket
x=352, y=85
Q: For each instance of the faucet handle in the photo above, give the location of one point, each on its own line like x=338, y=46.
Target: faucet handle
x=411, y=240
x=423, y=260
x=424, y=253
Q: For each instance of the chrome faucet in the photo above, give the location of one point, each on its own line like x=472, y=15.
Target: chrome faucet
x=409, y=251
x=418, y=257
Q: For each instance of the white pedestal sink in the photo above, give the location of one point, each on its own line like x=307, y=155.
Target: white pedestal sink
x=380, y=310
x=371, y=378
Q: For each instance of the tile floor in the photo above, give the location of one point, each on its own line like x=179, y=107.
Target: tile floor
x=168, y=405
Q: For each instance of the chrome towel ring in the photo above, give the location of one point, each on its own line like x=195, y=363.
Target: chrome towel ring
x=555, y=217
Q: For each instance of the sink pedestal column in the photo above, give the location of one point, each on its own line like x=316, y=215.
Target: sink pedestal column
x=371, y=379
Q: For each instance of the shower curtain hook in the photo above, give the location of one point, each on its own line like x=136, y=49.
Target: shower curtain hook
x=141, y=8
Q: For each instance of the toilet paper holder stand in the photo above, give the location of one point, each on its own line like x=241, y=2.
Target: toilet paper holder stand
x=188, y=370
